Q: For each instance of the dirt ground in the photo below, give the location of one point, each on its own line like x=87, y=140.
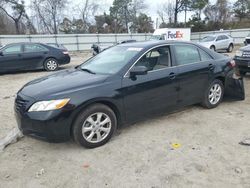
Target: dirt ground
x=139, y=155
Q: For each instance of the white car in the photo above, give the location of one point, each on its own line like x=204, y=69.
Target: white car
x=218, y=42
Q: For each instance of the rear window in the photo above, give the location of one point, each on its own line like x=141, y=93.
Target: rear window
x=186, y=54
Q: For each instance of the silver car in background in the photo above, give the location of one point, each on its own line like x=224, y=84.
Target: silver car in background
x=218, y=42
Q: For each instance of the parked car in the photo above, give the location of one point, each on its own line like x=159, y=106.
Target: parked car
x=121, y=85
x=97, y=48
x=56, y=45
x=218, y=42
x=31, y=56
x=242, y=59
x=247, y=40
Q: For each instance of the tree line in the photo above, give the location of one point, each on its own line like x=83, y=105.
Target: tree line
x=123, y=16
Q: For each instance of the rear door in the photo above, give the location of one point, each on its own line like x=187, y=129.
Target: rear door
x=34, y=55
x=11, y=58
x=154, y=92
x=195, y=67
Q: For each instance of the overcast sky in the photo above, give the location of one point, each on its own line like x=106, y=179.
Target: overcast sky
x=105, y=4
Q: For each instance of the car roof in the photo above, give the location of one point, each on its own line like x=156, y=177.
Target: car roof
x=152, y=43
x=216, y=35
x=24, y=43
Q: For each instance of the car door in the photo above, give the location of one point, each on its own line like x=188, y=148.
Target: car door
x=219, y=43
x=225, y=41
x=194, y=73
x=154, y=92
x=34, y=55
x=11, y=58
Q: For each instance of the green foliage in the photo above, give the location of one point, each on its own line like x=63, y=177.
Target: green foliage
x=242, y=9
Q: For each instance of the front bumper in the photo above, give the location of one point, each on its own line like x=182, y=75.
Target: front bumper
x=243, y=64
x=52, y=126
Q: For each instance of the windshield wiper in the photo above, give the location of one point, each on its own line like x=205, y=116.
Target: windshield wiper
x=87, y=70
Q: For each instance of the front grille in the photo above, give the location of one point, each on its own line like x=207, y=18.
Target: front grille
x=246, y=54
x=20, y=104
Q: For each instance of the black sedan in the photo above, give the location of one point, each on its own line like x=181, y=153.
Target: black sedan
x=242, y=59
x=121, y=85
x=31, y=56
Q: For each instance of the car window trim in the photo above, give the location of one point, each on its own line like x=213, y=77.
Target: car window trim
x=162, y=45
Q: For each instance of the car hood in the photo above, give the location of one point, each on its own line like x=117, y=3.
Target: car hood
x=206, y=44
x=245, y=48
x=61, y=83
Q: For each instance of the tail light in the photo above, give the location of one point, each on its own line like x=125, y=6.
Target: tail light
x=65, y=52
x=232, y=64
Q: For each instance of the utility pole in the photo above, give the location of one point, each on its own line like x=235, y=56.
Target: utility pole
x=126, y=17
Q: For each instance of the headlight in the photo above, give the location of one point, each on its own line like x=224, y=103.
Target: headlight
x=239, y=53
x=48, y=105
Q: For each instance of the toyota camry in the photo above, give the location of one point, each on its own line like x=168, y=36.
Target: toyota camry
x=121, y=85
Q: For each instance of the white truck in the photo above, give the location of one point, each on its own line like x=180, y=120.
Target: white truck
x=172, y=34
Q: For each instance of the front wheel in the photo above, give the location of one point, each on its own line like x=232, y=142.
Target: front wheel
x=230, y=48
x=213, y=48
x=213, y=95
x=94, y=126
x=51, y=64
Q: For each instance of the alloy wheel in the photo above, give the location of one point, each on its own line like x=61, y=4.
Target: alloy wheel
x=96, y=127
x=215, y=93
x=52, y=65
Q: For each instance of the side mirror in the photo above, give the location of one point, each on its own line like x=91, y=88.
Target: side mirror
x=138, y=70
x=1, y=53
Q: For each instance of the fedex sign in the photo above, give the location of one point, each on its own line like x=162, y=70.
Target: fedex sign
x=174, y=33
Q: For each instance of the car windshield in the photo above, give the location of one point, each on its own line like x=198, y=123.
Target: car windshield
x=111, y=60
x=248, y=35
x=208, y=39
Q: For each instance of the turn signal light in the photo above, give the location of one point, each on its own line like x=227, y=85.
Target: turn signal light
x=65, y=52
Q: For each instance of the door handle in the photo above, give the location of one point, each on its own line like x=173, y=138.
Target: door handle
x=211, y=67
x=172, y=75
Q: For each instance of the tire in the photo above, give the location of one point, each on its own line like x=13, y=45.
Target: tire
x=87, y=126
x=230, y=48
x=208, y=101
x=213, y=48
x=51, y=64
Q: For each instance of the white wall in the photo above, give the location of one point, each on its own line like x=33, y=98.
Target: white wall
x=74, y=42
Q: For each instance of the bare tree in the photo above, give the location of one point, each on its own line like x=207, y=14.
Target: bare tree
x=15, y=10
x=219, y=12
x=166, y=12
x=49, y=13
x=87, y=10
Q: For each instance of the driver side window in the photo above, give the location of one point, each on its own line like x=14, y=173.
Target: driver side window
x=156, y=59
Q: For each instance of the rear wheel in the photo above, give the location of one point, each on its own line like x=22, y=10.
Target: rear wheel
x=94, y=126
x=213, y=95
x=230, y=48
x=51, y=64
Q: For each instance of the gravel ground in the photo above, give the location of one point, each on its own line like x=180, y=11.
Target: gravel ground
x=139, y=155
